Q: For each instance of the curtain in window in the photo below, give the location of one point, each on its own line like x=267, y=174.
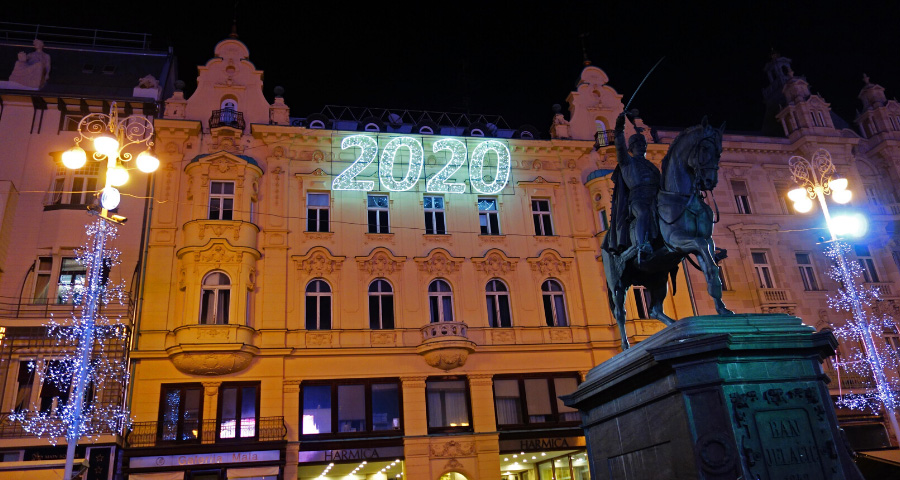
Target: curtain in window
x=506, y=399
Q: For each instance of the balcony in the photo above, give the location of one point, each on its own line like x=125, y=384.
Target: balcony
x=884, y=289
x=445, y=345
x=198, y=233
x=227, y=118
x=213, y=349
x=147, y=434
x=776, y=300
x=11, y=429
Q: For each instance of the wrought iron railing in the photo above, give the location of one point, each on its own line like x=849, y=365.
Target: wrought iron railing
x=13, y=429
x=444, y=329
x=11, y=307
x=227, y=118
x=148, y=434
x=23, y=32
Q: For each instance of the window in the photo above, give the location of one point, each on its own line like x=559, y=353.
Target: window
x=317, y=205
x=434, y=215
x=221, y=200
x=540, y=212
x=71, y=281
x=381, y=305
x=25, y=385
x=488, y=216
x=604, y=220
x=215, y=299
x=238, y=411
x=723, y=277
x=363, y=406
x=762, y=269
x=642, y=301
x=781, y=191
x=807, y=274
x=872, y=195
x=498, y=304
x=554, y=304
x=440, y=300
x=866, y=263
x=228, y=114
x=318, y=305
x=378, y=214
x=521, y=400
x=74, y=187
x=447, y=404
x=741, y=196
x=42, y=279
x=55, y=384
x=180, y=413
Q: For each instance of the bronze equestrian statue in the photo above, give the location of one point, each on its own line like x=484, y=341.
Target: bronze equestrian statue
x=659, y=218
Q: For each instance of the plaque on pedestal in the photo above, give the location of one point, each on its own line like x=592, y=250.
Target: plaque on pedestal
x=716, y=397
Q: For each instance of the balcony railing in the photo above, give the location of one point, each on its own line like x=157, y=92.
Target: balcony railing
x=11, y=429
x=444, y=329
x=147, y=434
x=11, y=307
x=604, y=138
x=849, y=380
x=884, y=289
x=775, y=296
x=227, y=118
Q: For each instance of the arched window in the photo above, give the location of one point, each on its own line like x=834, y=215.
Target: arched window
x=372, y=127
x=426, y=130
x=228, y=114
x=440, y=300
x=381, y=305
x=215, y=299
x=498, y=304
x=476, y=132
x=554, y=304
x=316, y=124
x=318, y=305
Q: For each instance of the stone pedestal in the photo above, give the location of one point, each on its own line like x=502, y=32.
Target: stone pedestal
x=716, y=398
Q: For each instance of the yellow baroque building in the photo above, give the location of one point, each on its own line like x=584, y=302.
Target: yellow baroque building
x=306, y=316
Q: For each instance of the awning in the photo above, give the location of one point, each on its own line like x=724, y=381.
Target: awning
x=36, y=470
x=256, y=472
x=879, y=463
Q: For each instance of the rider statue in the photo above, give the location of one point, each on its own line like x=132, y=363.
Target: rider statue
x=636, y=180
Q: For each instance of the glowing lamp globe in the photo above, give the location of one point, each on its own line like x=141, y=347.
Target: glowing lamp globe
x=838, y=184
x=107, y=145
x=109, y=198
x=797, y=194
x=803, y=205
x=74, y=158
x=842, y=196
x=854, y=225
x=117, y=176
x=147, y=163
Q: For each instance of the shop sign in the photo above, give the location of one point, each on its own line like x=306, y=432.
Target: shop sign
x=546, y=443
x=205, y=459
x=351, y=454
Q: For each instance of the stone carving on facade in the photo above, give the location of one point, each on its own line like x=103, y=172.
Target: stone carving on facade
x=439, y=263
x=251, y=279
x=495, y=263
x=492, y=238
x=481, y=379
x=148, y=81
x=31, y=71
x=380, y=263
x=503, y=336
x=453, y=465
x=318, y=235
x=211, y=388
x=378, y=238
x=319, y=261
x=218, y=231
x=561, y=335
x=221, y=163
x=291, y=385
x=755, y=236
x=217, y=254
x=443, y=239
x=453, y=448
x=788, y=309
x=383, y=339
x=550, y=263
x=217, y=363
x=317, y=156
x=446, y=358
x=318, y=339
x=181, y=279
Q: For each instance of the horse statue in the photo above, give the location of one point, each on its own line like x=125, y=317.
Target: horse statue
x=690, y=169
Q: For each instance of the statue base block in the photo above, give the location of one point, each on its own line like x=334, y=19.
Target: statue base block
x=716, y=397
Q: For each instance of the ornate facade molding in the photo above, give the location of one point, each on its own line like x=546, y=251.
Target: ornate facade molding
x=439, y=262
x=453, y=448
x=318, y=262
x=755, y=236
x=380, y=262
x=495, y=263
x=550, y=263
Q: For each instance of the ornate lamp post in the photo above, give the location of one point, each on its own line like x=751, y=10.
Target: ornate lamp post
x=116, y=142
x=816, y=179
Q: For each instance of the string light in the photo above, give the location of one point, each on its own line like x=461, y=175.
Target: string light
x=858, y=360
x=389, y=157
x=476, y=167
x=83, y=341
x=346, y=180
x=438, y=182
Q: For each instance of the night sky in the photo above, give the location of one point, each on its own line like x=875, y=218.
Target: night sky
x=516, y=59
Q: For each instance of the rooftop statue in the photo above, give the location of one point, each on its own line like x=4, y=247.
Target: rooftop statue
x=32, y=70
x=660, y=218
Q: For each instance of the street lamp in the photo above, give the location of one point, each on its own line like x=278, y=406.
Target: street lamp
x=117, y=142
x=816, y=179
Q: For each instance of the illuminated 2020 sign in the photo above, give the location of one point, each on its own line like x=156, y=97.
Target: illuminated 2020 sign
x=440, y=182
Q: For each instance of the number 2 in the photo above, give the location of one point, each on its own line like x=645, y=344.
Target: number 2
x=438, y=182
x=346, y=180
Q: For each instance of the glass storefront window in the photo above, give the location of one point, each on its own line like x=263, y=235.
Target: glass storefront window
x=351, y=408
x=385, y=406
x=537, y=397
x=316, y=409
